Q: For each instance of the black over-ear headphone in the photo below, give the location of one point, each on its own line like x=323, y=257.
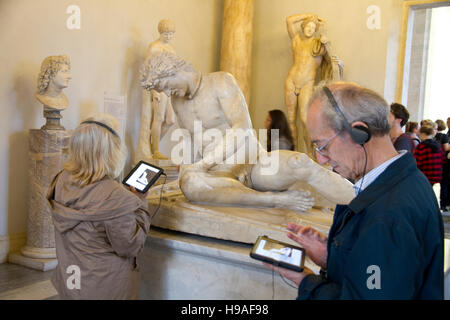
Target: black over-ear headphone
x=359, y=134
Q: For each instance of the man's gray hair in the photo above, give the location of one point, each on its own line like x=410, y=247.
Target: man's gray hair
x=159, y=66
x=357, y=104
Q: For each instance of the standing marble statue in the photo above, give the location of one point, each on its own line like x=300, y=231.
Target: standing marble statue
x=312, y=61
x=216, y=102
x=53, y=78
x=160, y=111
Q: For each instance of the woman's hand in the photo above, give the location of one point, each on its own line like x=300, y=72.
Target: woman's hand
x=141, y=195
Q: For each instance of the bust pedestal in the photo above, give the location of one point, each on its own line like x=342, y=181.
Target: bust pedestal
x=53, y=118
x=48, y=150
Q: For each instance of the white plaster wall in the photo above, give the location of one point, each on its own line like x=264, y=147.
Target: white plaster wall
x=105, y=57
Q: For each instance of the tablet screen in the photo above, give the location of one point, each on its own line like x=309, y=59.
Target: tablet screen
x=142, y=176
x=279, y=252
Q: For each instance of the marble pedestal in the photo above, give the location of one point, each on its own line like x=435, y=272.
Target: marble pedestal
x=207, y=257
x=48, y=150
x=182, y=266
x=241, y=224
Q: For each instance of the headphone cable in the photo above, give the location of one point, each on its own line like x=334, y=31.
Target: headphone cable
x=160, y=196
x=364, y=172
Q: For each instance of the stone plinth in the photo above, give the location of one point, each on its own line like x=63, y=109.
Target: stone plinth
x=181, y=266
x=241, y=224
x=48, y=150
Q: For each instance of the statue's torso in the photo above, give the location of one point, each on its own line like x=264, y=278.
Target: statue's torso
x=305, y=64
x=156, y=47
x=204, y=107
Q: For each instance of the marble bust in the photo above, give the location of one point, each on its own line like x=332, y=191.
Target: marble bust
x=53, y=78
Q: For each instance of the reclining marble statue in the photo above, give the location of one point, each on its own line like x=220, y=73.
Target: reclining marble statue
x=313, y=62
x=216, y=102
x=53, y=78
x=157, y=113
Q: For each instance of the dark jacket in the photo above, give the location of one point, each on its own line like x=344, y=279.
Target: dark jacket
x=404, y=142
x=394, y=225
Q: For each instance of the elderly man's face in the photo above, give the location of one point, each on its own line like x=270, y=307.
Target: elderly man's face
x=177, y=85
x=341, y=153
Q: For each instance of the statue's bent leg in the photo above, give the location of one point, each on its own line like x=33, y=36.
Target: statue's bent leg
x=206, y=187
x=170, y=114
x=290, y=98
x=143, y=150
x=303, y=100
x=159, y=107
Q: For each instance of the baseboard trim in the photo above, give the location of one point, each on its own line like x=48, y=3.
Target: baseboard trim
x=11, y=243
x=4, y=248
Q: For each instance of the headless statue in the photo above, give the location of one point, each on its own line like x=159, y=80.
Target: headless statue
x=312, y=60
x=53, y=78
x=159, y=115
x=216, y=102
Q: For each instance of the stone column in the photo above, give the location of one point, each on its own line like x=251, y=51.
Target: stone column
x=48, y=150
x=237, y=35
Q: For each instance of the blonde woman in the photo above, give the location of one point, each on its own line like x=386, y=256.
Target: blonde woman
x=100, y=226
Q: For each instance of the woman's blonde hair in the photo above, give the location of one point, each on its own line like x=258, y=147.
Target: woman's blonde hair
x=95, y=152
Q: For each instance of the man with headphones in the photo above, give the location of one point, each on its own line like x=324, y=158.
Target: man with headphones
x=387, y=243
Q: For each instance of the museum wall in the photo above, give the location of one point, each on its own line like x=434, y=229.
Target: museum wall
x=107, y=50
x=105, y=56
x=369, y=56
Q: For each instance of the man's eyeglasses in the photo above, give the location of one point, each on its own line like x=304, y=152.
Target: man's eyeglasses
x=322, y=150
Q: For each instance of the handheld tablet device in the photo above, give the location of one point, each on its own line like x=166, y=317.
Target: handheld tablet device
x=143, y=176
x=279, y=253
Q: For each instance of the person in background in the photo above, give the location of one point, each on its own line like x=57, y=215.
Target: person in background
x=448, y=126
x=444, y=138
x=441, y=136
x=100, y=226
x=429, y=155
x=276, y=120
x=398, y=117
x=412, y=130
x=430, y=123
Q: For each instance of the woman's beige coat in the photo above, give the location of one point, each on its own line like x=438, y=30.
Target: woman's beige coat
x=100, y=229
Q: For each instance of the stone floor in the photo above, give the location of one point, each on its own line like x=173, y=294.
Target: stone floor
x=21, y=283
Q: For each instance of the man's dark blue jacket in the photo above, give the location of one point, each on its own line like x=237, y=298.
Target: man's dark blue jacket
x=388, y=243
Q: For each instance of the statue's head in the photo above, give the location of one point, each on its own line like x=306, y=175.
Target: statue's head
x=166, y=28
x=166, y=72
x=309, y=27
x=54, y=69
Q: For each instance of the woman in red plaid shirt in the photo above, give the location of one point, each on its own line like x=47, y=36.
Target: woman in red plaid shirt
x=430, y=156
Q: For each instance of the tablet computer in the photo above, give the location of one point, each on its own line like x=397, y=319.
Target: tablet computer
x=279, y=253
x=143, y=176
